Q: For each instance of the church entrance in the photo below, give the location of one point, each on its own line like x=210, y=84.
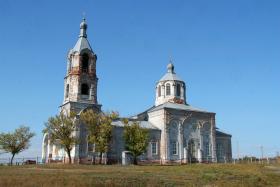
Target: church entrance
x=191, y=151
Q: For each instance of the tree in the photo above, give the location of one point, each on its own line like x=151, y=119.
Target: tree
x=17, y=141
x=99, y=129
x=61, y=129
x=136, y=139
x=91, y=120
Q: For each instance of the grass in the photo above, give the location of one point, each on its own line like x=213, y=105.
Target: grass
x=97, y=175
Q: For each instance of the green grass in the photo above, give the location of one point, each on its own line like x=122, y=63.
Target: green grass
x=185, y=175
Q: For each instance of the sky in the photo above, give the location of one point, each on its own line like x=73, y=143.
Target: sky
x=227, y=52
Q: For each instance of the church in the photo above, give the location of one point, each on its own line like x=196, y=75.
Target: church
x=178, y=132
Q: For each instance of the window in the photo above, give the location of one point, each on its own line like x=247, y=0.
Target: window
x=167, y=89
x=174, y=148
x=67, y=91
x=154, y=148
x=220, y=151
x=91, y=148
x=207, y=149
x=84, y=89
x=178, y=89
x=159, y=91
x=85, y=63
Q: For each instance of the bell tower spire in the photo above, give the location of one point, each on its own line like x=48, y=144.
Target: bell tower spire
x=80, y=82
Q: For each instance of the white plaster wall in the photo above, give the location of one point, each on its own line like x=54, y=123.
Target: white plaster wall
x=157, y=118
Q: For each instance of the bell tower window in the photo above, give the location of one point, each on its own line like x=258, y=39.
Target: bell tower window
x=67, y=91
x=84, y=89
x=167, y=89
x=85, y=63
x=178, y=89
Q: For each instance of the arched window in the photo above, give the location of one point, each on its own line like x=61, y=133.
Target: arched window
x=168, y=89
x=67, y=91
x=85, y=63
x=178, y=89
x=159, y=91
x=84, y=89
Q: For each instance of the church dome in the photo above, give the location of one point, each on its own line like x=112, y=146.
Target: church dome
x=83, y=24
x=170, y=88
x=170, y=75
x=170, y=67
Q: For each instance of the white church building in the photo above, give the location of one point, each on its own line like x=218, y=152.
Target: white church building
x=178, y=132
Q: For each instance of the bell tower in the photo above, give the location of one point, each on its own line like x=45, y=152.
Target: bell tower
x=80, y=82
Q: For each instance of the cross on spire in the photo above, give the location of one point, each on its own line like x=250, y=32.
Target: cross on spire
x=83, y=28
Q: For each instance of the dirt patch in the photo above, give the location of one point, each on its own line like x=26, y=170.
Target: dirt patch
x=275, y=169
x=63, y=170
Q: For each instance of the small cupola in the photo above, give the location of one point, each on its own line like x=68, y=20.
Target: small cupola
x=83, y=28
x=170, y=88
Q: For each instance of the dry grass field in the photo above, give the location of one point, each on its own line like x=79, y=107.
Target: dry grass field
x=185, y=175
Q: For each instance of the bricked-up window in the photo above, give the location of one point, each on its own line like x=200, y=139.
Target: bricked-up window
x=67, y=91
x=85, y=63
x=178, y=89
x=168, y=89
x=84, y=89
x=159, y=91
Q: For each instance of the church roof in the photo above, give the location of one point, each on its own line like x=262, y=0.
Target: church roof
x=176, y=106
x=143, y=124
x=170, y=75
x=220, y=133
x=81, y=44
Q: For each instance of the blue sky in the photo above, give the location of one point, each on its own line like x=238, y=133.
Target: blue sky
x=226, y=51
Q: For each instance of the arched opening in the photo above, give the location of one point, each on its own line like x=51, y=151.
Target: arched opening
x=45, y=148
x=85, y=63
x=84, y=89
x=191, y=151
x=159, y=91
x=168, y=89
x=67, y=91
x=178, y=89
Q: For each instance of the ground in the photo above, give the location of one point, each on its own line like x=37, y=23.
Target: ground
x=184, y=175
